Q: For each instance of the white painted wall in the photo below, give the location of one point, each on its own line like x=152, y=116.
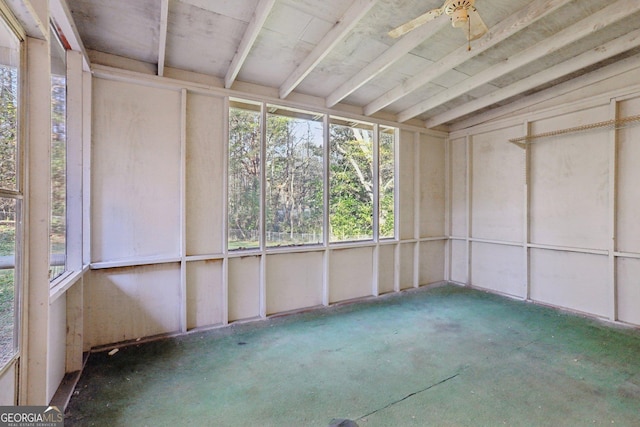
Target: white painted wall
x=57, y=345
x=497, y=179
x=159, y=263
x=554, y=221
x=350, y=273
x=569, y=182
x=8, y=386
x=406, y=190
x=244, y=288
x=205, y=294
x=386, y=268
x=205, y=192
x=136, y=172
x=432, y=188
x=294, y=281
x=127, y=303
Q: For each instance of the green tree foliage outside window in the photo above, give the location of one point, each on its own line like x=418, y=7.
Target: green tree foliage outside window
x=294, y=171
x=7, y=279
x=294, y=181
x=8, y=126
x=244, y=177
x=351, y=182
x=58, y=230
x=386, y=182
x=9, y=185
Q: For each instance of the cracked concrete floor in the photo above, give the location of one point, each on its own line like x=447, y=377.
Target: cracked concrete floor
x=443, y=356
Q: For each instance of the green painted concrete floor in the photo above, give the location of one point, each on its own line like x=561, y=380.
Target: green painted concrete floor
x=442, y=356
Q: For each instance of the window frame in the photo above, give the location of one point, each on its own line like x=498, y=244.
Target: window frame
x=308, y=116
x=17, y=193
x=358, y=124
x=326, y=119
x=55, y=279
x=259, y=228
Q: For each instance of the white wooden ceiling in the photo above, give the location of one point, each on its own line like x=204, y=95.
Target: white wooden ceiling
x=339, y=50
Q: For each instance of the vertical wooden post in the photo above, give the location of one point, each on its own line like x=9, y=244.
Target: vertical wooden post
x=75, y=208
x=225, y=215
x=613, y=188
x=469, y=200
x=35, y=324
x=183, y=211
x=376, y=210
x=263, y=211
x=526, y=229
x=416, y=209
x=447, y=210
x=325, y=231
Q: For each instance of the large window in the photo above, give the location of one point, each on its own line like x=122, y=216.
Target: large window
x=244, y=175
x=351, y=183
x=386, y=181
x=277, y=187
x=58, y=230
x=10, y=191
x=294, y=171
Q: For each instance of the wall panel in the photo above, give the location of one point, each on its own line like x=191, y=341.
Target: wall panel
x=406, y=192
x=204, y=293
x=244, y=288
x=294, y=281
x=56, y=356
x=350, y=273
x=573, y=280
x=458, y=155
x=498, y=268
x=205, y=152
x=8, y=386
x=431, y=268
x=135, y=171
x=569, y=183
x=628, y=200
x=406, y=265
x=570, y=208
x=459, y=261
x=497, y=189
x=386, y=268
x=432, y=186
x=132, y=302
x=628, y=274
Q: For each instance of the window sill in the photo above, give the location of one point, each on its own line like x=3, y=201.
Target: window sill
x=60, y=285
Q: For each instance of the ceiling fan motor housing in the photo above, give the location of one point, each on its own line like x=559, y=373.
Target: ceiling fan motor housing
x=458, y=10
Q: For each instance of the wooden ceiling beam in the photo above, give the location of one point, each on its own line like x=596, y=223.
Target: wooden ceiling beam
x=162, y=48
x=615, y=47
x=508, y=27
x=64, y=20
x=388, y=58
x=607, y=72
x=250, y=35
x=605, y=17
x=340, y=30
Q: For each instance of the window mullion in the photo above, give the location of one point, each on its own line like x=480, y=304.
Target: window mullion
x=263, y=177
x=375, y=184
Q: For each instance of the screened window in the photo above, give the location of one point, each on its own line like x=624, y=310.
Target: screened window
x=351, y=183
x=9, y=112
x=10, y=191
x=58, y=228
x=244, y=191
x=279, y=193
x=386, y=181
x=294, y=177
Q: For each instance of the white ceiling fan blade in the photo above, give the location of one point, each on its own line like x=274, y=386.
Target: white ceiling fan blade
x=476, y=27
x=414, y=23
